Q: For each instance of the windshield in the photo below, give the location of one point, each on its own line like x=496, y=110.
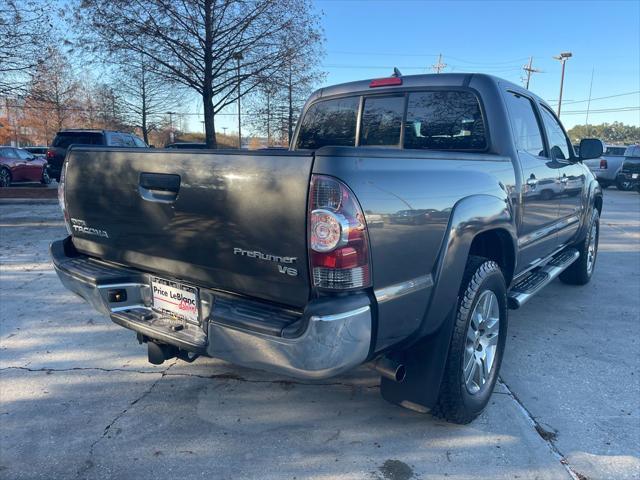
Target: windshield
x=66, y=139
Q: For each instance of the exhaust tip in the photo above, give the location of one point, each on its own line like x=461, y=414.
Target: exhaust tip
x=390, y=369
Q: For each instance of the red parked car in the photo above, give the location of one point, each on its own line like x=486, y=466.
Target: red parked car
x=18, y=165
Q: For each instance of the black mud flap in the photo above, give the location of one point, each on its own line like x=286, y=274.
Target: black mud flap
x=425, y=362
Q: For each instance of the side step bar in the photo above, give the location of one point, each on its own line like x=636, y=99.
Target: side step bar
x=526, y=288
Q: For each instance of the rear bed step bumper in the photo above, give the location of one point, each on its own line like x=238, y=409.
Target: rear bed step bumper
x=334, y=336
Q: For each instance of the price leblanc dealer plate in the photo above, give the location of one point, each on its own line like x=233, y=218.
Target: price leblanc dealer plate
x=178, y=300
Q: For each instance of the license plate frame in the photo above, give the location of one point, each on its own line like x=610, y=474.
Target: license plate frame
x=176, y=299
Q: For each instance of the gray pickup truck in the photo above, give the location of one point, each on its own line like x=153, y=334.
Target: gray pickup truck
x=408, y=216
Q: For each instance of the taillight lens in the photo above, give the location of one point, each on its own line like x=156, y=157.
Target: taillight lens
x=604, y=164
x=61, y=200
x=338, y=239
x=50, y=154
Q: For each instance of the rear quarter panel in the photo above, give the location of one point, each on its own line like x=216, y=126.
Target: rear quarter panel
x=410, y=195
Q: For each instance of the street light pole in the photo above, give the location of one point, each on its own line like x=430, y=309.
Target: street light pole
x=563, y=58
x=171, y=114
x=238, y=56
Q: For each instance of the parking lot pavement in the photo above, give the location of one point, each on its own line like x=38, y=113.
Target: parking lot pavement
x=79, y=400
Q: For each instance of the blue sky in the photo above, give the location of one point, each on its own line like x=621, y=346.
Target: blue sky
x=365, y=39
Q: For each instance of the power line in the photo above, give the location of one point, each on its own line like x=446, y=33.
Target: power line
x=599, y=98
x=434, y=55
x=603, y=110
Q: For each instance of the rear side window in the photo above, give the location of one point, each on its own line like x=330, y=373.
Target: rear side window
x=331, y=122
x=526, y=130
x=613, y=151
x=444, y=121
x=381, y=121
x=8, y=153
x=66, y=139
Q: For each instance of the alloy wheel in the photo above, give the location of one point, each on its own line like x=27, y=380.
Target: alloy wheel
x=592, y=249
x=481, y=342
x=5, y=178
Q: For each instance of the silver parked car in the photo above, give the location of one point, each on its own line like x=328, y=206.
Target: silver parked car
x=607, y=167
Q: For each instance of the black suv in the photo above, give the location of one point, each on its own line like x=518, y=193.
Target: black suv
x=65, y=138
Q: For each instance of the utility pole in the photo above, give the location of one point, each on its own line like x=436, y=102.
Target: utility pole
x=171, y=114
x=529, y=70
x=563, y=57
x=224, y=130
x=237, y=57
x=438, y=67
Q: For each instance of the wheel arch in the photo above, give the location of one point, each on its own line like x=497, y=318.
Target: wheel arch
x=475, y=224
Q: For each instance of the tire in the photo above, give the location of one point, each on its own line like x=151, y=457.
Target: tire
x=623, y=184
x=461, y=398
x=581, y=271
x=604, y=185
x=5, y=177
x=46, y=179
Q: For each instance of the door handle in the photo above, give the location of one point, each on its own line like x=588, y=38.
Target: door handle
x=159, y=187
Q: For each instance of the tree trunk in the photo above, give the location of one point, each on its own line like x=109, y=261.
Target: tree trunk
x=143, y=90
x=268, y=118
x=290, y=131
x=207, y=90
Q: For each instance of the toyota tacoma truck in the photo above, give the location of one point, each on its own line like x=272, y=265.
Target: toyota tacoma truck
x=268, y=259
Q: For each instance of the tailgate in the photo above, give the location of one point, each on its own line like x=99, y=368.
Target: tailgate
x=230, y=220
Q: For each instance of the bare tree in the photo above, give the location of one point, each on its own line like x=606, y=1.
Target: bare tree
x=144, y=95
x=54, y=89
x=280, y=98
x=21, y=41
x=197, y=43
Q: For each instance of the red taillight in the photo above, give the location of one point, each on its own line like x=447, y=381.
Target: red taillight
x=338, y=239
x=385, y=82
x=603, y=164
x=61, y=199
x=50, y=154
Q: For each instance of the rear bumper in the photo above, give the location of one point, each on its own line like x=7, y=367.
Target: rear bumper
x=326, y=340
x=624, y=175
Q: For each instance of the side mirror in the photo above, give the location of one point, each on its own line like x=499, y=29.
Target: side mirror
x=591, y=148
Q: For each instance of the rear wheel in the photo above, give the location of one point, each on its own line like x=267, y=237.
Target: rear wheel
x=46, y=179
x=580, y=271
x=5, y=177
x=477, y=343
x=623, y=184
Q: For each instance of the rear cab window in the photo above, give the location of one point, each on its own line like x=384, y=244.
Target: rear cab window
x=329, y=122
x=424, y=120
x=444, y=120
x=66, y=139
x=382, y=121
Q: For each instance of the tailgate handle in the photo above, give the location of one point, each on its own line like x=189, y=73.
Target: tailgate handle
x=159, y=187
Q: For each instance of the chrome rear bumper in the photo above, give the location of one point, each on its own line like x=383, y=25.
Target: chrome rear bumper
x=332, y=338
